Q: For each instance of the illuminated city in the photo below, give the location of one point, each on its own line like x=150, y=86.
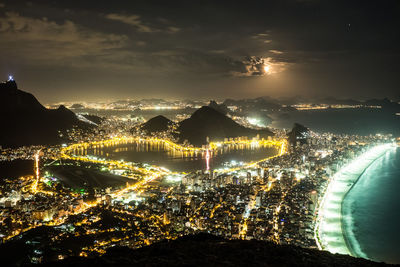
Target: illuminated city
x=168, y=135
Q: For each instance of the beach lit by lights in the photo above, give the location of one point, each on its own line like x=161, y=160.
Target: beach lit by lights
x=329, y=230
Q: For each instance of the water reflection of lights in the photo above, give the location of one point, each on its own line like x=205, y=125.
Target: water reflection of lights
x=208, y=160
x=71, y=151
x=150, y=172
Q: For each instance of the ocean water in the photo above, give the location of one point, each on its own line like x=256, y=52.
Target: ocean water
x=341, y=121
x=372, y=210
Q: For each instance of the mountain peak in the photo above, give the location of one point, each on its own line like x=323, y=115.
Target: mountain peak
x=156, y=124
x=62, y=107
x=8, y=85
x=208, y=122
x=220, y=108
x=14, y=100
x=27, y=122
x=205, y=110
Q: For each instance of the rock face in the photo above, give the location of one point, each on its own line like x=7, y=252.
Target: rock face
x=208, y=250
x=208, y=122
x=24, y=121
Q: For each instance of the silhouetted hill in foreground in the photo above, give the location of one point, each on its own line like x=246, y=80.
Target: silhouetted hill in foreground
x=208, y=250
x=207, y=121
x=24, y=121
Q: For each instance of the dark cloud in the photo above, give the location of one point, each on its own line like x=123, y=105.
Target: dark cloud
x=41, y=41
x=253, y=66
x=347, y=48
x=133, y=20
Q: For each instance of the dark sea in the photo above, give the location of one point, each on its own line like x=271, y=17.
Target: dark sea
x=341, y=121
x=374, y=204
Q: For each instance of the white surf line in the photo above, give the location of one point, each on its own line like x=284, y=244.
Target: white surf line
x=328, y=230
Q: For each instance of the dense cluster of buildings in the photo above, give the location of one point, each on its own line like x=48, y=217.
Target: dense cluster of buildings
x=24, y=152
x=274, y=200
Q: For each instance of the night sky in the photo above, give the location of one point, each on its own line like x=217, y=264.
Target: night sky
x=94, y=50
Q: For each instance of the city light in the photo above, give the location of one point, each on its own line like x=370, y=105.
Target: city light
x=202, y=132
x=255, y=189
x=266, y=198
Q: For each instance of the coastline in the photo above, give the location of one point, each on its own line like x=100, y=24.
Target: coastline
x=330, y=232
x=351, y=242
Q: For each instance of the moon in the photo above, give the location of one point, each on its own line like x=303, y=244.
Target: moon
x=267, y=69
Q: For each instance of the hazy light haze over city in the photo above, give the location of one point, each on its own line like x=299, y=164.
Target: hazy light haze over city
x=94, y=50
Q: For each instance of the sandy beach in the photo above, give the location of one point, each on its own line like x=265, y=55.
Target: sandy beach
x=330, y=232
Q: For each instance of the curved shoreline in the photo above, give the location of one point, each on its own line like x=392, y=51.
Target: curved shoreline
x=329, y=232
x=345, y=231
